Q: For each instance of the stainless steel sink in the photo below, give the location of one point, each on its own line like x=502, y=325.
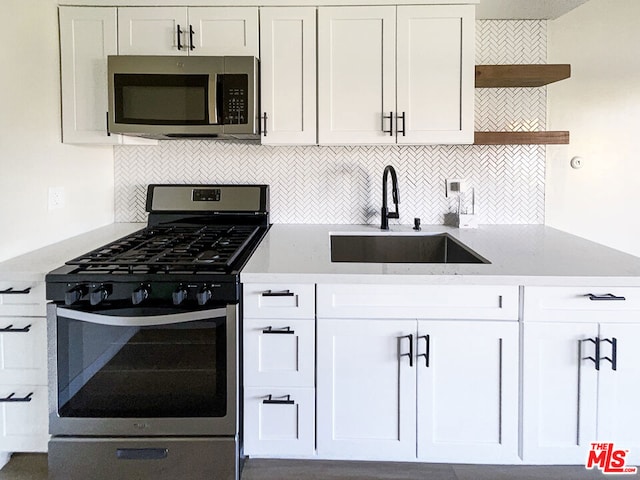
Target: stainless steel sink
x=438, y=248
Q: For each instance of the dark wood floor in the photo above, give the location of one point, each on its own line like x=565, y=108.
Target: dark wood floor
x=34, y=467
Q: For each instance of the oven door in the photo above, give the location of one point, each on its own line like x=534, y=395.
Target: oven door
x=143, y=372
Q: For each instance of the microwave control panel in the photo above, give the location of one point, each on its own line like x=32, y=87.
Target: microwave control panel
x=235, y=100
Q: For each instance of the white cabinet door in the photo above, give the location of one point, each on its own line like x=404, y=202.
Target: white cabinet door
x=87, y=36
x=467, y=391
x=356, y=74
x=24, y=424
x=279, y=422
x=223, y=31
x=279, y=353
x=153, y=31
x=288, y=75
x=23, y=350
x=436, y=74
x=559, y=392
x=618, y=391
x=366, y=389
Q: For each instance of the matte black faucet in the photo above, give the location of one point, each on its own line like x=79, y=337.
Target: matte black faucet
x=385, y=215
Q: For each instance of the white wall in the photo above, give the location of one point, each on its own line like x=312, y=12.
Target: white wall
x=600, y=106
x=31, y=155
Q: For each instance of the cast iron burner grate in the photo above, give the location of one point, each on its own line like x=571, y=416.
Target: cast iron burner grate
x=170, y=249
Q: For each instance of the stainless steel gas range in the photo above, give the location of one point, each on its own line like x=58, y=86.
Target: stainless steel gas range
x=143, y=342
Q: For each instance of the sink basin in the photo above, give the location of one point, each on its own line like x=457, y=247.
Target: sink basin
x=438, y=248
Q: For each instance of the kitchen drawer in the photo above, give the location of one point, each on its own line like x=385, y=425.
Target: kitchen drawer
x=24, y=424
x=279, y=353
x=262, y=300
x=582, y=304
x=23, y=350
x=463, y=302
x=279, y=422
x=22, y=299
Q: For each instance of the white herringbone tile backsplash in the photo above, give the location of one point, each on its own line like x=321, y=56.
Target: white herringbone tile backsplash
x=344, y=184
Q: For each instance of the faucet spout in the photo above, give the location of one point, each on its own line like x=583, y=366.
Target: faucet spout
x=385, y=215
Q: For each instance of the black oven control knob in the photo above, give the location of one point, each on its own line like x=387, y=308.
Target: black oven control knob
x=140, y=294
x=204, y=296
x=99, y=294
x=179, y=295
x=75, y=294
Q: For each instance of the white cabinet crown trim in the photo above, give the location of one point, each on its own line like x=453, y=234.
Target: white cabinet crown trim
x=254, y=3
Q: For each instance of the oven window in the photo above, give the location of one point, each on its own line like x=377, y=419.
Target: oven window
x=154, y=99
x=176, y=370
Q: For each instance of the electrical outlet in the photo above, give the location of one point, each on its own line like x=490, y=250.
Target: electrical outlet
x=56, y=198
x=454, y=185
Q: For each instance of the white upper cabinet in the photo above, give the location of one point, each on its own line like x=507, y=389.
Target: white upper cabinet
x=380, y=86
x=87, y=36
x=188, y=31
x=435, y=74
x=356, y=75
x=288, y=75
x=223, y=31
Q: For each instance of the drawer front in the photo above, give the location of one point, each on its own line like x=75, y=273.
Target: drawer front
x=23, y=350
x=418, y=301
x=24, y=423
x=279, y=422
x=263, y=300
x=22, y=298
x=582, y=304
x=279, y=353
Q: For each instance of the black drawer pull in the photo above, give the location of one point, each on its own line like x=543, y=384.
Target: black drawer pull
x=11, y=291
x=283, y=293
x=142, y=453
x=286, y=401
x=606, y=296
x=12, y=398
x=279, y=331
x=10, y=329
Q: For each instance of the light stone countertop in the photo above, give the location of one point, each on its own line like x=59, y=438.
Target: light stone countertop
x=519, y=254
x=33, y=266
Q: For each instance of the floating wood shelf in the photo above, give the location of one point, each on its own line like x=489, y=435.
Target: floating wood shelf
x=537, y=75
x=521, y=138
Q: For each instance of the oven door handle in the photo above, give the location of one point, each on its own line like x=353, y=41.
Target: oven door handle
x=140, y=321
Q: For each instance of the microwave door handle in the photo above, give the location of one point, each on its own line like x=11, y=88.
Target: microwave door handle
x=140, y=321
x=213, y=99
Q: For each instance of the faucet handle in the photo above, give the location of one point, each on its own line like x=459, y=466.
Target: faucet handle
x=416, y=224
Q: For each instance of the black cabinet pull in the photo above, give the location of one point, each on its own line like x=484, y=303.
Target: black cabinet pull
x=283, y=293
x=108, y=131
x=410, y=354
x=11, y=291
x=12, y=398
x=596, y=358
x=264, y=120
x=404, y=123
x=605, y=297
x=614, y=352
x=10, y=329
x=286, y=400
x=191, y=32
x=179, y=42
x=390, y=117
x=427, y=351
x=279, y=331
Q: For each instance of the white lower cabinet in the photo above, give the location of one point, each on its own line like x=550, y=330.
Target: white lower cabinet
x=580, y=378
x=23, y=367
x=366, y=389
x=391, y=389
x=279, y=421
x=467, y=391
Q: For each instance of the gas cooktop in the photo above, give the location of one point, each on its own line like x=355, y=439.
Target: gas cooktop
x=197, y=239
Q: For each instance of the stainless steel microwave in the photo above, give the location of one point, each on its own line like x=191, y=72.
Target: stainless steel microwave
x=167, y=97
